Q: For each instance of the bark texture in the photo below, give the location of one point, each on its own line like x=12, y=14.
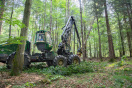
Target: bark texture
x=19, y=57
x=11, y=20
x=82, y=30
x=110, y=41
x=51, y=16
x=121, y=36
x=2, y=4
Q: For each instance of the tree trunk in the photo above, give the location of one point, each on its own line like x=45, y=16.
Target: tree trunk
x=96, y=12
x=121, y=36
x=90, y=52
x=82, y=30
x=51, y=16
x=68, y=8
x=19, y=57
x=45, y=14
x=11, y=20
x=74, y=43
x=57, y=39
x=100, y=53
x=66, y=13
x=94, y=48
x=56, y=33
x=128, y=39
x=2, y=5
x=85, y=47
x=130, y=21
x=110, y=41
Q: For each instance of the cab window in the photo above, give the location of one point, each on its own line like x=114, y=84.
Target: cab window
x=40, y=37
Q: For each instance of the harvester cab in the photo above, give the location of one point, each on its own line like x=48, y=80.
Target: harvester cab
x=43, y=40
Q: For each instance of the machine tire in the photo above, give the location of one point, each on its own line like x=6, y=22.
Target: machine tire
x=49, y=63
x=27, y=60
x=74, y=59
x=60, y=61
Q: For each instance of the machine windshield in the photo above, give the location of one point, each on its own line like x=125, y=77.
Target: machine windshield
x=48, y=38
x=40, y=37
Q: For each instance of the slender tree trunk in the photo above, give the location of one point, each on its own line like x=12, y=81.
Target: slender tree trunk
x=19, y=57
x=53, y=34
x=74, y=43
x=68, y=8
x=45, y=14
x=82, y=30
x=90, y=52
x=130, y=21
x=100, y=53
x=57, y=39
x=51, y=16
x=97, y=52
x=110, y=41
x=66, y=13
x=85, y=47
x=121, y=36
x=2, y=5
x=96, y=12
x=94, y=48
x=128, y=39
x=56, y=33
x=11, y=20
x=35, y=28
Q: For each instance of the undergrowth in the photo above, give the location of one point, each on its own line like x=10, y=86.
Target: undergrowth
x=69, y=70
x=41, y=68
x=117, y=73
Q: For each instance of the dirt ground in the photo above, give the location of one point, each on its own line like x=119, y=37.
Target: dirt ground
x=81, y=81
x=7, y=81
x=1, y=64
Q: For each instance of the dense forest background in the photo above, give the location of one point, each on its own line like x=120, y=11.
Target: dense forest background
x=105, y=26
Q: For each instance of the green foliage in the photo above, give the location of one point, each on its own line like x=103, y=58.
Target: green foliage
x=14, y=22
x=50, y=78
x=120, y=80
x=88, y=72
x=122, y=61
x=29, y=84
x=71, y=69
x=12, y=40
x=3, y=68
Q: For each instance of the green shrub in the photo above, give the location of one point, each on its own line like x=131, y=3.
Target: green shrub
x=28, y=84
x=69, y=70
x=122, y=61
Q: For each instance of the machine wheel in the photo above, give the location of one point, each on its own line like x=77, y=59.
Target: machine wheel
x=74, y=59
x=60, y=61
x=49, y=63
x=27, y=60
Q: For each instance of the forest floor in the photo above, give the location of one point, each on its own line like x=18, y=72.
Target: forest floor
x=104, y=75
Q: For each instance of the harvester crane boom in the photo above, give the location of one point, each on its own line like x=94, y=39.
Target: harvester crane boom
x=65, y=36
